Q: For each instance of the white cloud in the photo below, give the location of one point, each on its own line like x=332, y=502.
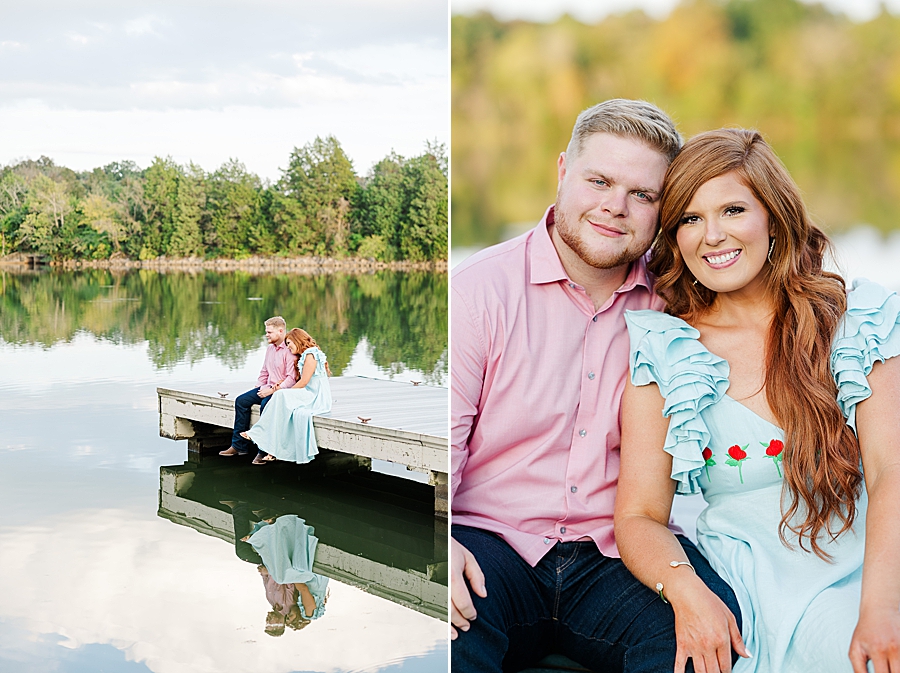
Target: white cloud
x=143, y=25
x=103, y=80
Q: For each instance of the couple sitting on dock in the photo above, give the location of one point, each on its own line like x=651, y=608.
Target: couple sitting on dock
x=590, y=384
x=295, y=376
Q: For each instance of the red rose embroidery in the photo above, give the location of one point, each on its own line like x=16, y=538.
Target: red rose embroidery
x=737, y=453
x=775, y=451
x=736, y=456
x=708, y=460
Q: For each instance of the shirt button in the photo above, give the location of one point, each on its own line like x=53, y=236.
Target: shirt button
x=582, y=432
x=591, y=375
x=562, y=529
x=595, y=318
x=546, y=540
x=572, y=285
x=574, y=489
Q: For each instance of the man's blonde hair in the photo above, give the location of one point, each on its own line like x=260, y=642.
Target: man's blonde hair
x=276, y=321
x=626, y=118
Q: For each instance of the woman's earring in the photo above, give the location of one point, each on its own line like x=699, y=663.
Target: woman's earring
x=771, y=248
x=695, y=282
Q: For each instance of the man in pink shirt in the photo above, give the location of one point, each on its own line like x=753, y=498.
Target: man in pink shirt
x=539, y=360
x=278, y=371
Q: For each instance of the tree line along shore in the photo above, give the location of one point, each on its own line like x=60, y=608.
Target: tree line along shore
x=319, y=213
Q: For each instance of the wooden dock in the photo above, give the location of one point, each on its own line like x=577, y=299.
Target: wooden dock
x=408, y=425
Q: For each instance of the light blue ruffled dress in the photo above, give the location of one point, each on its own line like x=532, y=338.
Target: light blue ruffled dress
x=288, y=550
x=285, y=428
x=799, y=612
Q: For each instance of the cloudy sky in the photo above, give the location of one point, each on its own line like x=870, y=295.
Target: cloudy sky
x=593, y=10
x=87, y=82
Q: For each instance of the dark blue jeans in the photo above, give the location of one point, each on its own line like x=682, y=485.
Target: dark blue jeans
x=242, y=406
x=575, y=602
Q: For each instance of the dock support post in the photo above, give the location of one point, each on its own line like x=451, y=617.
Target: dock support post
x=441, y=492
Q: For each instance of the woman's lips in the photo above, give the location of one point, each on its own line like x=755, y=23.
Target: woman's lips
x=722, y=259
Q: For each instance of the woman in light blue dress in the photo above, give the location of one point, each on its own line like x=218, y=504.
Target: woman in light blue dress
x=285, y=428
x=771, y=390
x=287, y=547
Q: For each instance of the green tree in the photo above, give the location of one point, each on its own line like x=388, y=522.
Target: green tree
x=233, y=205
x=160, y=195
x=44, y=227
x=317, y=188
x=99, y=213
x=190, y=200
x=423, y=230
x=380, y=209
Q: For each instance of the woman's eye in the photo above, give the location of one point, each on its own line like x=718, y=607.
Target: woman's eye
x=734, y=210
x=688, y=219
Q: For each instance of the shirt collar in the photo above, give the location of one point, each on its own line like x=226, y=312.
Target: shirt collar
x=546, y=266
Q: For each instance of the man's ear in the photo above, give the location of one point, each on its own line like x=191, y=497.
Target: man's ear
x=561, y=167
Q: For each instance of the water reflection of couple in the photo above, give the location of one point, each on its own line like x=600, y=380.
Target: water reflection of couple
x=295, y=377
x=765, y=385
x=287, y=547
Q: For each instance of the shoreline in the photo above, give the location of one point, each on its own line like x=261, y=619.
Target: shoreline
x=305, y=265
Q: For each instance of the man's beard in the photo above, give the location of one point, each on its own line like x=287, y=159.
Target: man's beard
x=598, y=259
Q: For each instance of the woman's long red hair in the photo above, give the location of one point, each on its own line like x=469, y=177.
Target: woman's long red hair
x=302, y=340
x=822, y=478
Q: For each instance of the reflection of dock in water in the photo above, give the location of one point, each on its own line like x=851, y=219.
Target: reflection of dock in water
x=375, y=532
x=406, y=424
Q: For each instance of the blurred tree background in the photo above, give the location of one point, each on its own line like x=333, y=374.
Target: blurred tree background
x=319, y=206
x=823, y=90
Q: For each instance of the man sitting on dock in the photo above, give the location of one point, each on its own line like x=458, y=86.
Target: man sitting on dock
x=538, y=365
x=278, y=371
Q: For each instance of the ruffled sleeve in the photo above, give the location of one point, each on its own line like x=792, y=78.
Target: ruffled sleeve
x=867, y=334
x=666, y=350
x=316, y=353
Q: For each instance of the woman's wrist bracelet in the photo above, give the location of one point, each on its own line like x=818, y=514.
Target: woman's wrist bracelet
x=674, y=564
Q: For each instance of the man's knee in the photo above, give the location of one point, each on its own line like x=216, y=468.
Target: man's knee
x=246, y=400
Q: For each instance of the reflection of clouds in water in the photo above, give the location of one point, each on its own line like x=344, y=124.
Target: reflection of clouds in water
x=362, y=364
x=103, y=577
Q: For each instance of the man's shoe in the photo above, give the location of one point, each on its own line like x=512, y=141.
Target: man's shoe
x=231, y=451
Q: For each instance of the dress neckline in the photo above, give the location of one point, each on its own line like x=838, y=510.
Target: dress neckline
x=727, y=376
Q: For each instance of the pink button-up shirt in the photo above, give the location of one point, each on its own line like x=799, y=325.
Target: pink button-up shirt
x=536, y=383
x=278, y=367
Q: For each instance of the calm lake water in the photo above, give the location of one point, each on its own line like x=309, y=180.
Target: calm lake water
x=116, y=554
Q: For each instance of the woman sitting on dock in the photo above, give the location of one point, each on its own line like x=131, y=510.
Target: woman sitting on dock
x=285, y=428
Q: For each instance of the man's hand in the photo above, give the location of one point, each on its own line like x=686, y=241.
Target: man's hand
x=463, y=566
x=265, y=392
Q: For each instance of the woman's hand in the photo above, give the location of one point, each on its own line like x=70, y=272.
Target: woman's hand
x=705, y=631
x=877, y=638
